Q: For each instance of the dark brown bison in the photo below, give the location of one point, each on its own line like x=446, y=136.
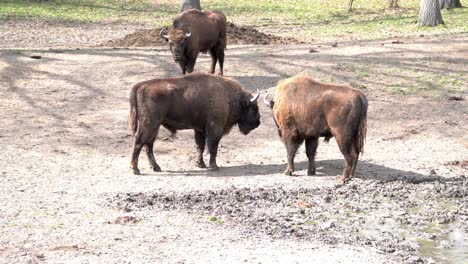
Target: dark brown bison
x=210, y=105
x=304, y=109
x=195, y=31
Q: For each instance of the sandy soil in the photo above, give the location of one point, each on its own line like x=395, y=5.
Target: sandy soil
x=68, y=194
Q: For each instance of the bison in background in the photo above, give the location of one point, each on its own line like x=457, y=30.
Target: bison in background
x=210, y=105
x=304, y=110
x=195, y=31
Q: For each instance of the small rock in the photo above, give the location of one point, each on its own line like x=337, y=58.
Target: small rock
x=27, y=245
x=415, y=259
x=328, y=225
x=445, y=244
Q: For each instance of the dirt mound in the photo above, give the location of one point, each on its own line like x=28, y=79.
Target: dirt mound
x=236, y=35
x=140, y=38
x=249, y=35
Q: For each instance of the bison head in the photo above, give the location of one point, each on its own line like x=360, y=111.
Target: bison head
x=177, y=39
x=250, y=116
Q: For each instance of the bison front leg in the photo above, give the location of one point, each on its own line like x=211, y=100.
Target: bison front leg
x=214, y=58
x=213, y=149
x=292, y=145
x=220, y=55
x=311, y=149
x=200, y=140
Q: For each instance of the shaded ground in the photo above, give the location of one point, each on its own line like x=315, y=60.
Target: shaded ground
x=68, y=194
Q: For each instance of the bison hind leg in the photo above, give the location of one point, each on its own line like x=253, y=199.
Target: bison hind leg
x=292, y=143
x=137, y=146
x=311, y=145
x=150, y=154
x=351, y=158
x=347, y=148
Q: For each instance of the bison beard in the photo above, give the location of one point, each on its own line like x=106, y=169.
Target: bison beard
x=305, y=110
x=193, y=32
x=209, y=105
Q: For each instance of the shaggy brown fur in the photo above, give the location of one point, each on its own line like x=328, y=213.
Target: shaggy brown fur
x=305, y=110
x=207, y=31
x=208, y=104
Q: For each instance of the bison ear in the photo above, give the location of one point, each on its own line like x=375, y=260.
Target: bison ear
x=267, y=101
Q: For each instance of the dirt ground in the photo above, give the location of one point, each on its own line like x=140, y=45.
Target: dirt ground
x=68, y=194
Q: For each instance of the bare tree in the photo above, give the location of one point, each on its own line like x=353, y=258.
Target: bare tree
x=350, y=5
x=189, y=4
x=429, y=13
x=393, y=4
x=447, y=4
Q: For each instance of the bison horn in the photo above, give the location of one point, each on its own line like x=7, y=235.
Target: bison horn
x=254, y=99
x=266, y=101
x=188, y=34
x=162, y=33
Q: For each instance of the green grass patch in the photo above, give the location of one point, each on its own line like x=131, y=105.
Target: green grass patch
x=312, y=222
x=216, y=220
x=302, y=19
x=89, y=11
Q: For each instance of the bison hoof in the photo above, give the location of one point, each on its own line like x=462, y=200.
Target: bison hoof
x=310, y=172
x=342, y=179
x=157, y=169
x=201, y=165
x=288, y=172
x=136, y=172
x=213, y=168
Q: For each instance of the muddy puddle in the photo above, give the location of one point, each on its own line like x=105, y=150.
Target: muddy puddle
x=423, y=222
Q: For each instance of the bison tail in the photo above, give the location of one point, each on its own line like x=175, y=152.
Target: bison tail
x=362, y=128
x=133, y=120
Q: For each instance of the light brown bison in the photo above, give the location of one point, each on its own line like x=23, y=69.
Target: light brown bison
x=304, y=110
x=210, y=105
x=195, y=31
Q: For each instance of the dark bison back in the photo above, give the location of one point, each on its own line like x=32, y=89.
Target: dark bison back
x=210, y=105
x=208, y=28
x=195, y=31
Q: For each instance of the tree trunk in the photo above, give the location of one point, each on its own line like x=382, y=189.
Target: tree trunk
x=447, y=4
x=350, y=5
x=429, y=13
x=189, y=4
x=393, y=4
